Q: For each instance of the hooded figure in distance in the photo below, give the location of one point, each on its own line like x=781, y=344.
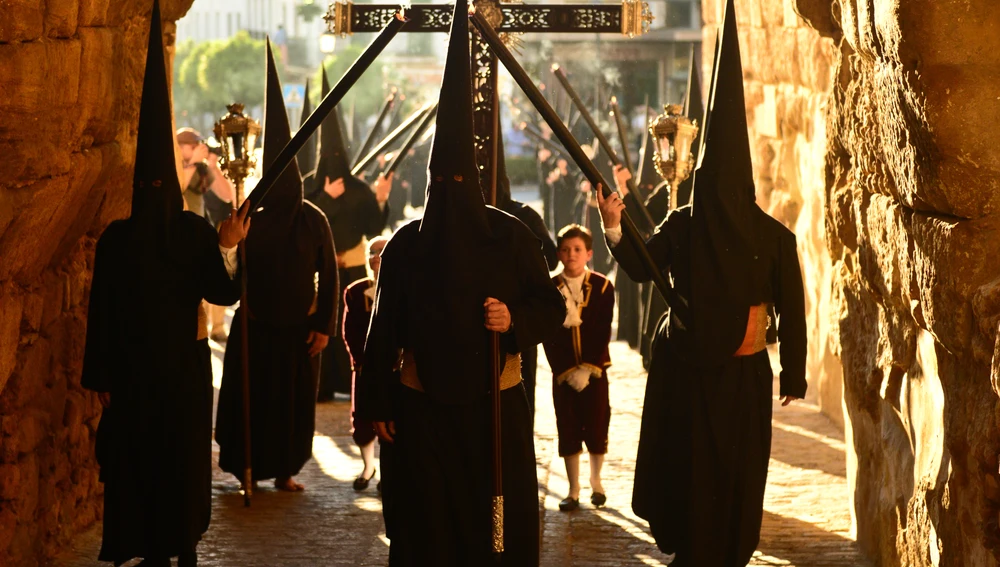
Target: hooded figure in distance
x=356, y=214
x=705, y=439
x=154, y=442
x=292, y=301
x=445, y=282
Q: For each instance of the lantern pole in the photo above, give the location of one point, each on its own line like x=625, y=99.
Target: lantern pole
x=238, y=133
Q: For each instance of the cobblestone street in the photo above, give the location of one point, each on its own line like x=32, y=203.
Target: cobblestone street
x=806, y=521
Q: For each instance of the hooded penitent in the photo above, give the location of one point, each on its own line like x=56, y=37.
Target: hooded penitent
x=307, y=155
x=333, y=159
x=354, y=214
x=156, y=191
x=724, y=211
x=693, y=109
x=158, y=431
x=455, y=243
x=276, y=224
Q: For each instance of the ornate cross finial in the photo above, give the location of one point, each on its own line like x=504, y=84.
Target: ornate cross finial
x=636, y=17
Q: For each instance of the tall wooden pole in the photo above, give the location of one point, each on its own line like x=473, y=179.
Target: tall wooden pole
x=245, y=361
x=496, y=365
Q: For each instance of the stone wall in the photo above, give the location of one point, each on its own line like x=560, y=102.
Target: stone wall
x=875, y=139
x=70, y=81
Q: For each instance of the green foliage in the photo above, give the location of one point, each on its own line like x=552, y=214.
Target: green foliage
x=188, y=97
x=522, y=170
x=233, y=71
x=211, y=74
x=308, y=10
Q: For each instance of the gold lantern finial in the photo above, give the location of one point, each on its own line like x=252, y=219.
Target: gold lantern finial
x=237, y=133
x=673, y=133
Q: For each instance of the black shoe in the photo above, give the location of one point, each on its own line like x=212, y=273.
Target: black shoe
x=161, y=562
x=361, y=483
x=598, y=499
x=569, y=504
x=379, y=486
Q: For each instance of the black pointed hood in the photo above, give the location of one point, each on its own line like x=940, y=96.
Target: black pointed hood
x=724, y=213
x=695, y=110
x=307, y=155
x=454, y=200
x=285, y=198
x=455, y=246
x=333, y=157
x=156, y=191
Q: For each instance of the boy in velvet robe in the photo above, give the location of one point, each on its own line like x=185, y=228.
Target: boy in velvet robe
x=579, y=357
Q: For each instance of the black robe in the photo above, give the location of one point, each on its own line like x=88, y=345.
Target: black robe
x=629, y=301
x=444, y=447
x=154, y=442
x=705, y=439
x=352, y=216
x=534, y=222
x=283, y=377
x=658, y=205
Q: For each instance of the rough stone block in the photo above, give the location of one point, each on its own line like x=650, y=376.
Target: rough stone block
x=97, y=109
x=952, y=260
x=814, y=59
x=61, y=18
x=8, y=522
x=818, y=14
x=33, y=429
x=10, y=481
x=93, y=13
x=31, y=379
x=35, y=77
x=766, y=113
x=21, y=20
x=786, y=68
x=11, y=307
x=756, y=17
x=53, y=288
x=27, y=498
x=773, y=13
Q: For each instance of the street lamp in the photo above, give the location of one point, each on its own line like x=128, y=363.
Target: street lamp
x=673, y=133
x=237, y=133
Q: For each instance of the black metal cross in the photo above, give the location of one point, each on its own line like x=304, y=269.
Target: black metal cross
x=630, y=18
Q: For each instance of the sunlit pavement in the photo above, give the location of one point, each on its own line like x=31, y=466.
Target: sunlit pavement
x=806, y=522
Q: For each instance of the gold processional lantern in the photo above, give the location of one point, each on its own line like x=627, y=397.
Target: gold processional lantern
x=237, y=133
x=673, y=133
